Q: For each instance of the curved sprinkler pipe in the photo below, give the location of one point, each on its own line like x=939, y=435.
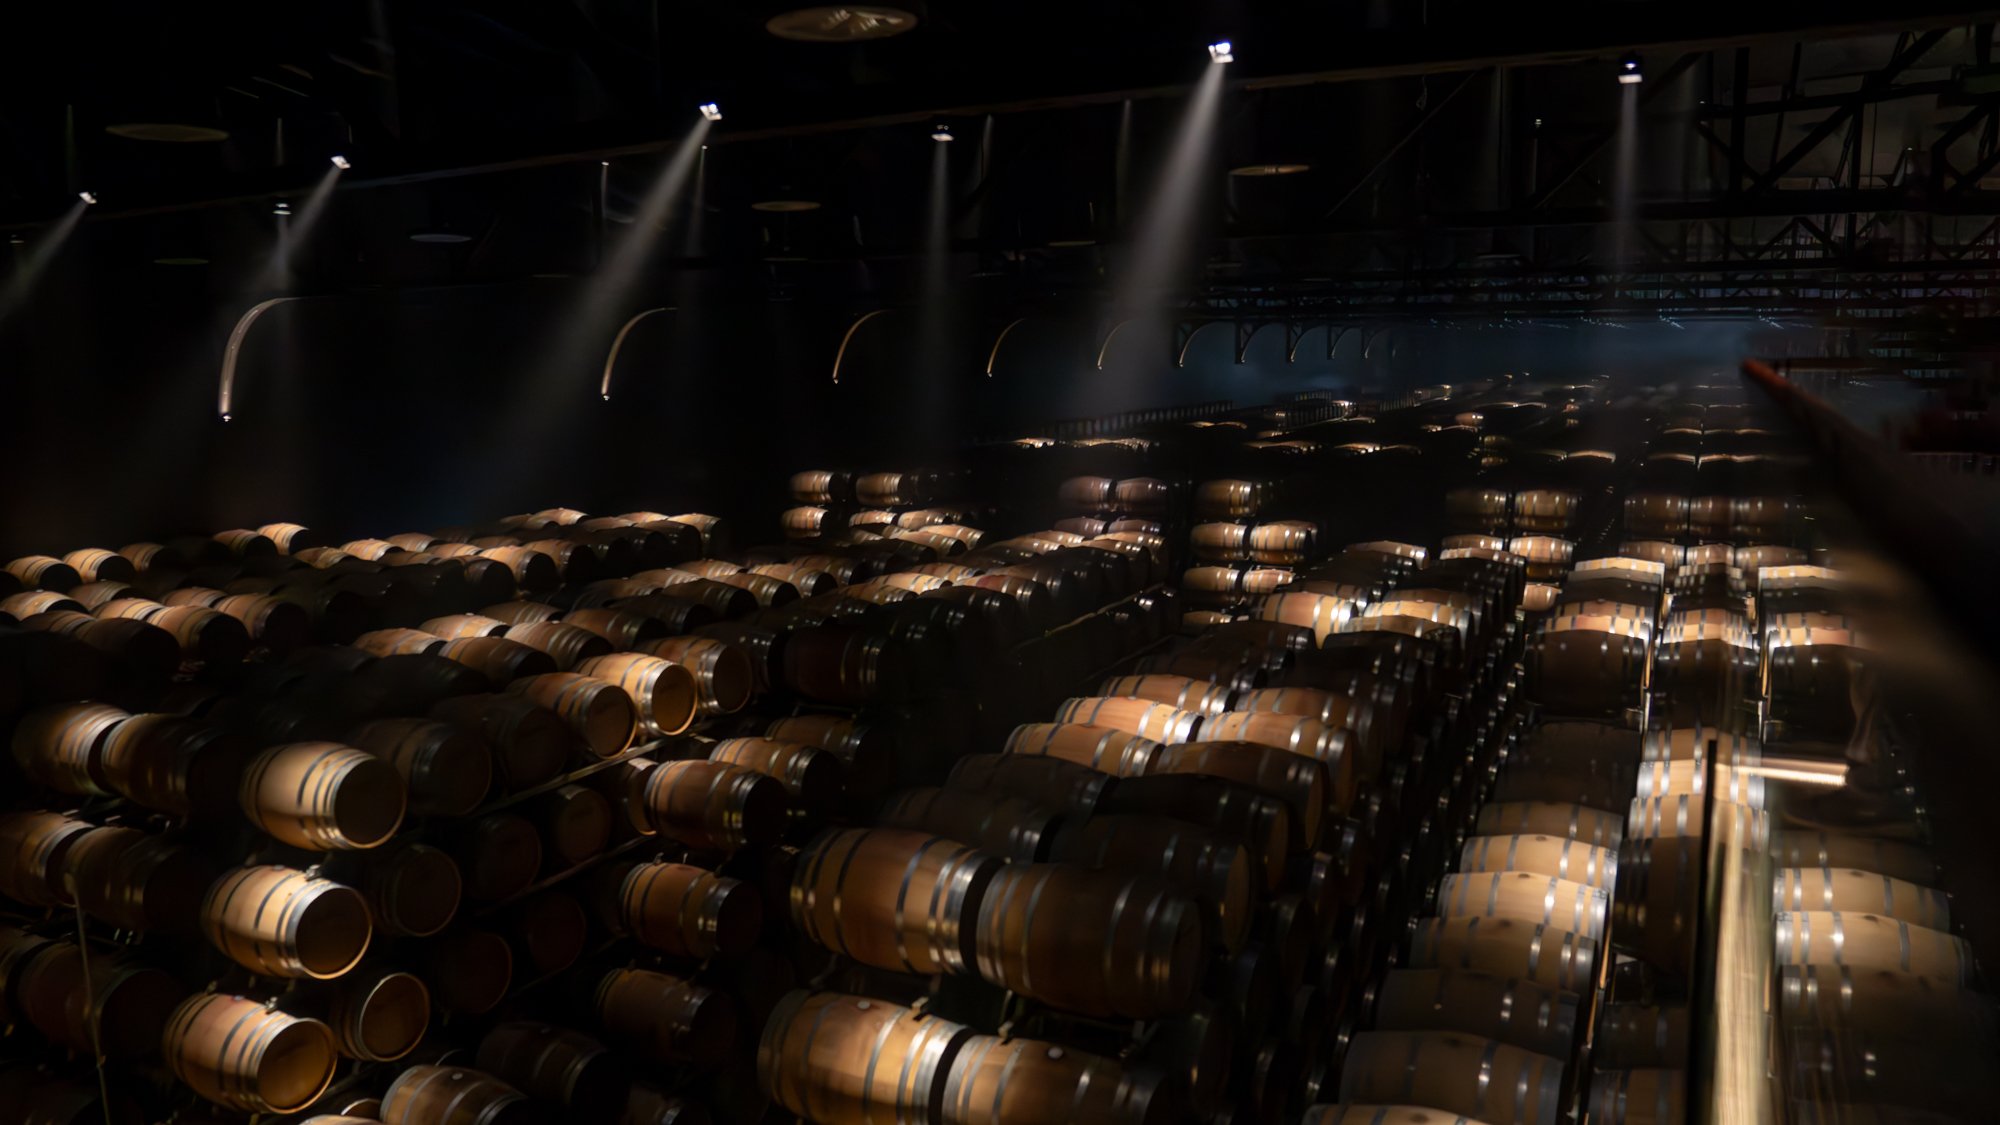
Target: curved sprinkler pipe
x=1181, y=360
x=849, y=338
x=225, y=391
x=993, y=356
x=618, y=343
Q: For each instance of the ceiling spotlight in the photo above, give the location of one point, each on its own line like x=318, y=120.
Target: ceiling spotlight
x=941, y=134
x=342, y=163
x=711, y=112
x=1223, y=52
x=282, y=208
x=225, y=417
x=89, y=198
x=1629, y=73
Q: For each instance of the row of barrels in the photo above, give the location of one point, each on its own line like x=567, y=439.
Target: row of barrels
x=1495, y=511
x=880, y=489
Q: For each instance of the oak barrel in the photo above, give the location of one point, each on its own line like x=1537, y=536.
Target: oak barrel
x=1095, y=943
x=62, y=746
x=1013, y=828
x=1213, y=870
x=714, y=805
x=281, y=922
x=689, y=911
x=378, y=1014
x=530, y=742
x=1507, y=947
x=138, y=881
x=994, y=1081
x=601, y=712
x=849, y=1060
x=812, y=777
x=1458, y=1073
x=891, y=898
x=674, y=1019
x=450, y=1095
x=1105, y=749
x=322, y=796
x=236, y=1053
x=446, y=770
x=1521, y=1013
x=558, y=1067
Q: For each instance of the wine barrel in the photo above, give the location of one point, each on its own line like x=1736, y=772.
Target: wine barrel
x=204, y=634
x=601, y=712
x=1156, y=721
x=522, y=612
x=1520, y=1013
x=449, y=1095
x=1458, y=1073
x=568, y=645
x=378, y=1015
x=1182, y=692
x=1527, y=897
x=120, y=1012
x=1011, y=827
x=622, y=629
x=446, y=770
x=1321, y=613
x=1882, y=1002
x=1847, y=890
x=1354, y=1114
x=994, y=1081
x=395, y=642
x=1640, y=1035
x=530, y=742
x=812, y=777
x=1105, y=749
x=500, y=660
x=137, y=881
x=868, y=752
x=284, y=923
x=689, y=911
x=458, y=625
x=1645, y=1096
x=45, y=572
x=557, y=1066
x=469, y=971
x=1261, y=823
x=575, y=822
x=714, y=805
x=94, y=564
x=1506, y=947
x=322, y=796
x=894, y=899
x=1294, y=734
x=1543, y=855
x=1299, y=782
x=412, y=889
x=497, y=856
x=1865, y=853
x=1058, y=784
x=25, y=605
x=1095, y=943
x=534, y=570
x=147, y=654
x=844, y=665
x=34, y=855
x=1211, y=869
x=848, y=1060
x=236, y=1053
x=62, y=747
x=550, y=930
x=675, y=1020
x=650, y=1105
x=1568, y=821
x=1869, y=941
x=666, y=694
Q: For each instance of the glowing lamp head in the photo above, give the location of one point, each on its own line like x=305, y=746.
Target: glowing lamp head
x=342, y=163
x=89, y=198
x=282, y=209
x=941, y=134
x=1222, y=52
x=711, y=112
x=1629, y=71
x=226, y=417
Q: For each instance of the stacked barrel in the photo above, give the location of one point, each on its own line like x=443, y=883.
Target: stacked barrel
x=352, y=840
x=1239, y=554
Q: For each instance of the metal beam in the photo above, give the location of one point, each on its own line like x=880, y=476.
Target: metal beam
x=1652, y=90
x=1429, y=114
x=1901, y=60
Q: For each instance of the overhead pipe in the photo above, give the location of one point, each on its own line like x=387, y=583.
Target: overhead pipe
x=993, y=356
x=618, y=343
x=849, y=338
x=225, y=391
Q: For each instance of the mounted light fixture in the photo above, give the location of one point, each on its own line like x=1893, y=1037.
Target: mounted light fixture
x=711, y=112
x=941, y=134
x=342, y=163
x=844, y=23
x=1280, y=169
x=282, y=209
x=1629, y=71
x=89, y=198
x=1222, y=52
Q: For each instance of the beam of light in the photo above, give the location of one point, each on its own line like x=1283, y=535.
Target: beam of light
x=933, y=396
x=1624, y=180
x=618, y=343
x=295, y=233
x=1166, y=233
x=849, y=338
x=46, y=247
x=1105, y=348
x=993, y=356
x=225, y=389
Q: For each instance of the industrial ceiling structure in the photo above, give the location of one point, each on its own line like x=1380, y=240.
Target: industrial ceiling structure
x=1377, y=162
